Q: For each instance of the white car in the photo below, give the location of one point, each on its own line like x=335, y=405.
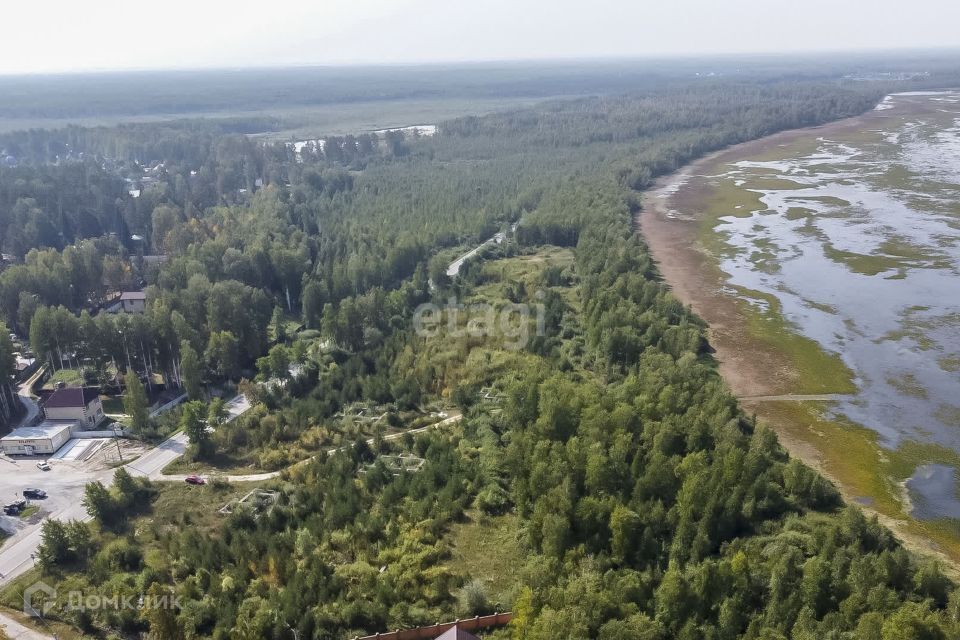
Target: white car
x=43, y=465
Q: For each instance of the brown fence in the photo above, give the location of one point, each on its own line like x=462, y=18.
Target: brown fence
x=431, y=632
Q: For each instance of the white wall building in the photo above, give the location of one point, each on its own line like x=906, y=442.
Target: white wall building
x=81, y=404
x=42, y=439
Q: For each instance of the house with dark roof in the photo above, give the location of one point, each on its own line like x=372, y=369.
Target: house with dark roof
x=75, y=403
x=133, y=301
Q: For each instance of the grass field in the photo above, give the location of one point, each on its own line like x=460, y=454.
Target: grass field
x=70, y=377
x=490, y=548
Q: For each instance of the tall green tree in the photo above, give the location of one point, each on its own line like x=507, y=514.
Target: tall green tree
x=7, y=362
x=191, y=370
x=99, y=503
x=194, y=424
x=279, y=325
x=135, y=403
x=223, y=354
x=312, y=302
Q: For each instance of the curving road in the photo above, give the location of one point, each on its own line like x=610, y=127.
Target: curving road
x=25, y=393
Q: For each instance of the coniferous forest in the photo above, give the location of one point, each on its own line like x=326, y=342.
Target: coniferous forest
x=636, y=499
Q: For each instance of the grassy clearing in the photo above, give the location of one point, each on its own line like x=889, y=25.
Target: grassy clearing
x=220, y=462
x=305, y=121
x=69, y=377
x=490, y=548
x=527, y=270
x=181, y=504
x=113, y=405
x=51, y=628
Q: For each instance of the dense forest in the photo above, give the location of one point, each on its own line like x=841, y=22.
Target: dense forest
x=644, y=503
x=215, y=91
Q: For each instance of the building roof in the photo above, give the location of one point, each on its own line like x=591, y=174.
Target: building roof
x=456, y=633
x=44, y=430
x=133, y=295
x=72, y=397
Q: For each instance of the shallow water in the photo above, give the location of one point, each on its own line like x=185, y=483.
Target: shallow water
x=933, y=491
x=859, y=241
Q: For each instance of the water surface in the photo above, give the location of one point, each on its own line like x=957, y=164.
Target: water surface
x=858, y=240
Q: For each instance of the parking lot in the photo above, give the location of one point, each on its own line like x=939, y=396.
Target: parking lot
x=64, y=484
x=76, y=464
x=71, y=468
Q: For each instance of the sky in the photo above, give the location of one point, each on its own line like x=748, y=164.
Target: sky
x=40, y=36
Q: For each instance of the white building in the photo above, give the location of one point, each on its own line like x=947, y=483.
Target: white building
x=81, y=404
x=43, y=439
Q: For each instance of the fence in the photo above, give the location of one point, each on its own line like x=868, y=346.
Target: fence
x=168, y=406
x=432, y=631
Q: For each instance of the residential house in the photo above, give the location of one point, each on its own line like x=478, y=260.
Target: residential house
x=133, y=302
x=75, y=403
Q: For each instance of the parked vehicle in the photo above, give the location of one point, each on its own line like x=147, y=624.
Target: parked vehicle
x=194, y=480
x=43, y=465
x=15, y=508
x=34, y=494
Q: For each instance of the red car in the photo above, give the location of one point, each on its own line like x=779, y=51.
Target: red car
x=194, y=480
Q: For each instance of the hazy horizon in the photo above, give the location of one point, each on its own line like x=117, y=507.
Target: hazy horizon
x=107, y=36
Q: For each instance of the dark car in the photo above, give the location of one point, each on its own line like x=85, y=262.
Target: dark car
x=34, y=494
x=14, y=508
x=194, y=480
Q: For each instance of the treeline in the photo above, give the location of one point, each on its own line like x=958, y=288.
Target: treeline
x=659, y=511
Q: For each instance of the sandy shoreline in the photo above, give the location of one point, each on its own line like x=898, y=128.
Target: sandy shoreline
x=669, y=221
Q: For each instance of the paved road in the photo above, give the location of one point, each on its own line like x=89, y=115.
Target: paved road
x=454, y=267
x=64, y=486
x=152, y=462
x=26, y=399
